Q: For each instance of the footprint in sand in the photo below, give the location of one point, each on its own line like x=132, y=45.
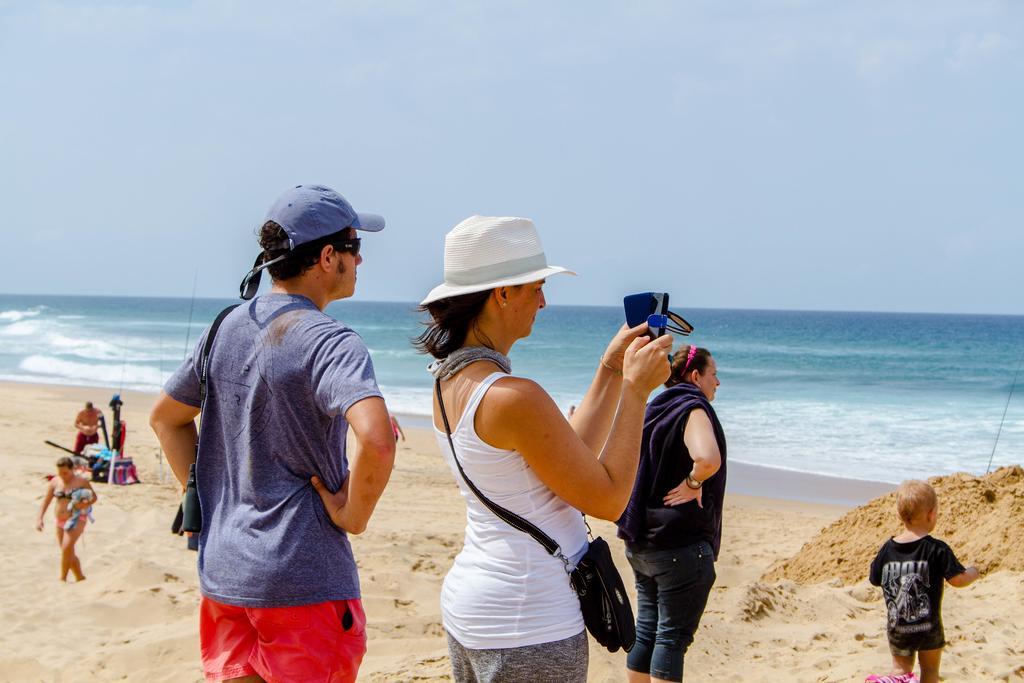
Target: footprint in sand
x=425, y=564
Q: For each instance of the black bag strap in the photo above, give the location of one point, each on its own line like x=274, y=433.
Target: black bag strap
x=204, y=361
x=507, y=516
x=179, y=519
x=204, y=369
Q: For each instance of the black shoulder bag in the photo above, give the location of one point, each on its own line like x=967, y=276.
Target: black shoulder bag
x=189, y=516
x=606, y=609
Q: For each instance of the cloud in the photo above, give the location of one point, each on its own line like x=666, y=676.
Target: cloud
x=881, y=60
x=973, y=50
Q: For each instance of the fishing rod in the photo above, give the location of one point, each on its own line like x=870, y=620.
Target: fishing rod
x=124, y=364
x=1005, y=409
x=160, y=449
x=57, y=445
x=191, y=307
x=184, y=355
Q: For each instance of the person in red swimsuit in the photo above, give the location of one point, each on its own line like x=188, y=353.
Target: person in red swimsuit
x=87, y=422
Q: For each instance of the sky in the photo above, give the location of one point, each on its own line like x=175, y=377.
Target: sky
x=781, y=155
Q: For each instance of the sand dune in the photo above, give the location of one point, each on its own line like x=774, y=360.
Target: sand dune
x=135, y=618
x=982, y=518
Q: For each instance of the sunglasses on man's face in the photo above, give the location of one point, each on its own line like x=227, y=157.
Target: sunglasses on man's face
x=351, y=246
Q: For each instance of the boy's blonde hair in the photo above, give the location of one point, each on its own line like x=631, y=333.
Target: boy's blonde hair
x=914, y=497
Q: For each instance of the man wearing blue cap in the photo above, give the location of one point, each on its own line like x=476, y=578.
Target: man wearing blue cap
x=280, y=591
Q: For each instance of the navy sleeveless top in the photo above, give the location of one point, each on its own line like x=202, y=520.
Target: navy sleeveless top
x=664, y=462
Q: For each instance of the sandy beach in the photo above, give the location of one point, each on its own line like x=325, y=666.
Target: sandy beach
x=135, y=617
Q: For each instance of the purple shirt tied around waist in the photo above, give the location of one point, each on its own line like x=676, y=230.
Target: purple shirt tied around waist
x=282, y=375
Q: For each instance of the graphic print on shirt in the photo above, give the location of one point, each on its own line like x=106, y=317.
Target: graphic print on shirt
x=238, y=394
x=905, y=585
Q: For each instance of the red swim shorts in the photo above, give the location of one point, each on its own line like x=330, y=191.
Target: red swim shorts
x=81, y=441
x=322, y=642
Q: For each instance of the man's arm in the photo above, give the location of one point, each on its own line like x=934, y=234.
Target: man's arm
x=369, y=468
x=175, y=426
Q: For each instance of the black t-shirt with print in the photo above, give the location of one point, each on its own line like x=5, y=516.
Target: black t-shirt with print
x=912, y=576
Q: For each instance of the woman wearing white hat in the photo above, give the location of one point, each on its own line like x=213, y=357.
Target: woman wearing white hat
x=507, y=605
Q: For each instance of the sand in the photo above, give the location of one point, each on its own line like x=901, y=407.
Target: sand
x=135, y=617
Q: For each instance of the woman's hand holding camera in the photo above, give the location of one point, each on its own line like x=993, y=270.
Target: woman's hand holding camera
x=645, y=363
x=612, y=357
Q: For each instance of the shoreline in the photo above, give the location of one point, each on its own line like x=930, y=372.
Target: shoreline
x=761, y=481
x=745, y=479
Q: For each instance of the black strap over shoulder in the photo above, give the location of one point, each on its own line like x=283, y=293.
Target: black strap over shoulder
x=180, y=524
x=204, y=361
x=507, y=515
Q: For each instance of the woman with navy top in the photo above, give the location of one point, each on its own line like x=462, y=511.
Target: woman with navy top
x=673, y=522
x=507, y=606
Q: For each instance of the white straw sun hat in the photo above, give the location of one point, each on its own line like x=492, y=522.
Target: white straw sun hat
x=484, y=252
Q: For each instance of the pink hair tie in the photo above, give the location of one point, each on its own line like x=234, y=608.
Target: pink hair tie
x=689, y=356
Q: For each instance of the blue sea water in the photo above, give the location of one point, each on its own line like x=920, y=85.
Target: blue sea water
x=880, y=396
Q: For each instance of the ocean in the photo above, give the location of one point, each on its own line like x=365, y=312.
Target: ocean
x=880, y=396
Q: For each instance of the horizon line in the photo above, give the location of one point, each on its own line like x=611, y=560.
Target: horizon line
x=558, y=305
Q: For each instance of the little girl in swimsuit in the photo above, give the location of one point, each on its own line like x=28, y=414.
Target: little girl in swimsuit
x=71, y=509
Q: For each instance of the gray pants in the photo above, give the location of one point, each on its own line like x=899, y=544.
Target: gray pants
x=561, y=661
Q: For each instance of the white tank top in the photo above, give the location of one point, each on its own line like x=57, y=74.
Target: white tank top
x=504, y=590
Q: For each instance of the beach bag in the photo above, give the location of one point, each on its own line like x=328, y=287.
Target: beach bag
x=598, y=585
x=123, y=472
x=606, y=609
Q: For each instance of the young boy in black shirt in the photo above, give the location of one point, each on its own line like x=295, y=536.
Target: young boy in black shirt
x=911, y=568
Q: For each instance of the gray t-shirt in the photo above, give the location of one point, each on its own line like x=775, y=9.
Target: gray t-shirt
x=282, y=375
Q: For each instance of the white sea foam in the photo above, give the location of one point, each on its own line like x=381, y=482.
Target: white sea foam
x=96, y=349
x=59, y=338
x=396, y=353
x=21, y=328
x=419, y=401
x=16, y=315
x=886, y=440
x=107, y=374
x=408, y=400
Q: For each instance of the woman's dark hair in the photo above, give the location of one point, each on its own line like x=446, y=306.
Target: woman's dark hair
x=65, y=462
x=452, y=320
x=680, y=369
x=300, y=259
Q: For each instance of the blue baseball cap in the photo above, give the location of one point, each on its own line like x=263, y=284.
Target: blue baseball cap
x=307, y=213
